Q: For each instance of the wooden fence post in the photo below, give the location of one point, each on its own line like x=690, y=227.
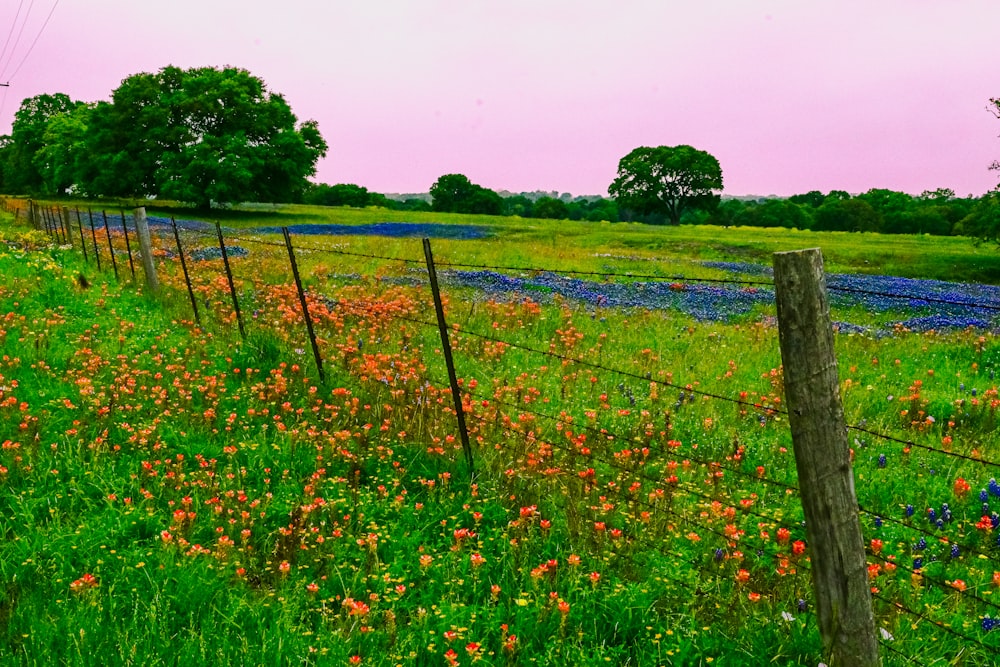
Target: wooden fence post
x=456, y=392
x=305, y=306
x=63, y=215
x=33, y=215
x=145, y=246
x=67, y=225
x=826, y=479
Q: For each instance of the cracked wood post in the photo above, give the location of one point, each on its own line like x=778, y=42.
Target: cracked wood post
x=145, y=247
x=822, y=458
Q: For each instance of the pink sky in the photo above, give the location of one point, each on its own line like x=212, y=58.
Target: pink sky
x=789, y=95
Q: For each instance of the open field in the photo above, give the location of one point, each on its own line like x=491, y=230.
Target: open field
x=571, y=245
x=172, y=492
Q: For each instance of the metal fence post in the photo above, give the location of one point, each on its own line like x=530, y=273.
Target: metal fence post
x=305, y=306
x=456, y=391
x=187, y=278
x=229, y=276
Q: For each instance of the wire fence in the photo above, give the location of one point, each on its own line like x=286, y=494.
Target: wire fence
x=636, y=437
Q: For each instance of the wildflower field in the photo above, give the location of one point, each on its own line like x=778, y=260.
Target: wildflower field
x=171, y=491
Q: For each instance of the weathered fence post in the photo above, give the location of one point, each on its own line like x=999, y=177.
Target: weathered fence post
x=67, y=225
x=187, y=278
x=229, y=276
x=145, y=246
x=305, y=306
x=63, y=215
x=456, y=392
x=826, y=479
x=33, y=214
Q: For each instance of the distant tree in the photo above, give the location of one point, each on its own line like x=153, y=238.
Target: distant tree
x=667, y=180
x=846, y=215
x=603, y=209
x=28, y=139
x=813, y=198
x=983, y=220
x=892, y=207
x=200, y=135
x=773, y=213
x=6, y=149
x=455, y=193
x=342, y=194
x=410, y=205
x=939, y=195
x=726, y=213
x=60, y=160
x=450, y=191
x=485, y=202
x=837, y=195
x=518, y=205
x=553, y=209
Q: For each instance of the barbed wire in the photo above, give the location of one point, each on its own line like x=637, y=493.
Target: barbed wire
x=944, y=585
x=913, y=297
x=927, y=533
x=623, y=373
x=928, y=448
x=916, y=614
x=605, y=433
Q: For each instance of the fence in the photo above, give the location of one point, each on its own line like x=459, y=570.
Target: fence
x=620, y=448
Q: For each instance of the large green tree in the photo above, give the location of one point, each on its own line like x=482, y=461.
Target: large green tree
x=668, y=180
x=59, y=160
x=455, y=193
x=28, y=139
x=203, y=135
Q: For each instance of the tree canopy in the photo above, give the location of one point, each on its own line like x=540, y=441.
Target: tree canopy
x=202, y=135
x=25, y=167
x=668, y=180
x=455, y=193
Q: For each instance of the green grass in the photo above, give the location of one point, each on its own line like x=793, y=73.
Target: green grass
x=233, y=509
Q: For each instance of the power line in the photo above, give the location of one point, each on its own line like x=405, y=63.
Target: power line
x=35, y=41
x=13, y=25
x=17, y=40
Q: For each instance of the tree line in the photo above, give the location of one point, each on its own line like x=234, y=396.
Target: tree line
x=938, y=212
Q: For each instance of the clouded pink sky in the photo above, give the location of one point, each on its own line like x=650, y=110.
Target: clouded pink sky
x=789, y=95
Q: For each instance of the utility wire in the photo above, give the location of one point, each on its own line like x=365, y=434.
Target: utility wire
x=20, y=32
x=32, y=47
x=13, y=24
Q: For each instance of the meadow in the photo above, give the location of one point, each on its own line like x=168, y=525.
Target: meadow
x=172, y=491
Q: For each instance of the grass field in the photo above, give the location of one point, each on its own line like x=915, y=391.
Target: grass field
x=172, y=492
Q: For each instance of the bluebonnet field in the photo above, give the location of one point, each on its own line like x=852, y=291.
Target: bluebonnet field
x=905, y=303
